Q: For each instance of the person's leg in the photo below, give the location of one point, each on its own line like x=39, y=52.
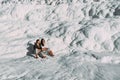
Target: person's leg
x=41, y=55
x=37, y=52
x=49, y=51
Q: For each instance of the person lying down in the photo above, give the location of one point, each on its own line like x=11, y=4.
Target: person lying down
x=41, y=50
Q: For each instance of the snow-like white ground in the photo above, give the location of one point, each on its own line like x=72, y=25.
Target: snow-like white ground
x=83, y=34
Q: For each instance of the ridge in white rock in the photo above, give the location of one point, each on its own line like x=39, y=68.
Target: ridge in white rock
x=84, y=36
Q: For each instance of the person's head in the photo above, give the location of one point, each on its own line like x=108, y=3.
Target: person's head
x=38, y=41
x=42, y=42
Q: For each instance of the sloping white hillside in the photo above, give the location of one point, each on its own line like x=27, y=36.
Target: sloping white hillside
x=83, y=34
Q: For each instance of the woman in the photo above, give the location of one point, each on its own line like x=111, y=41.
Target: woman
x=40, y=48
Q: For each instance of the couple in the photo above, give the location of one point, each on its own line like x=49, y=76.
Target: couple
x=40, y=49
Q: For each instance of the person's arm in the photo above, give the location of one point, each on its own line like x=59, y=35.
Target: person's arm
x=37, y=53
